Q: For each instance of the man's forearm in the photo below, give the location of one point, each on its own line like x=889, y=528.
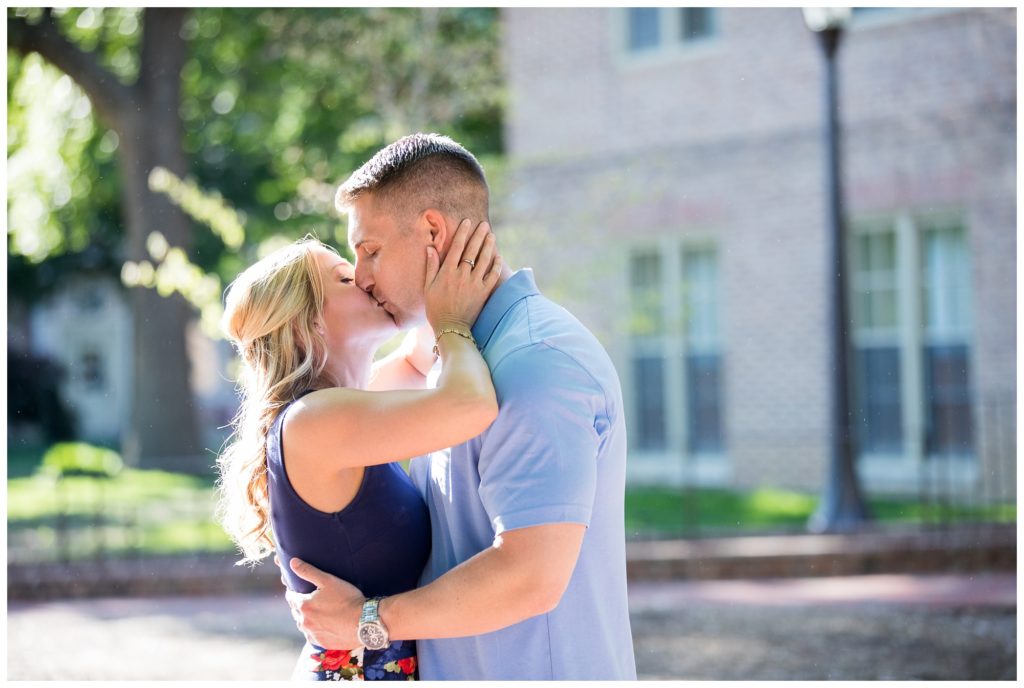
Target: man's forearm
x=503, y=585
x=479, y=596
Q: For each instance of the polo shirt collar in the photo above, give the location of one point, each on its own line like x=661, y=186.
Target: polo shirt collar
x=515, y=289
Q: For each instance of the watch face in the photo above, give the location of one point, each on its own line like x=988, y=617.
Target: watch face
x=372, y=636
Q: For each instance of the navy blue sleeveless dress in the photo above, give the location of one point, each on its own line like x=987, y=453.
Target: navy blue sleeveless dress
x=379, y=543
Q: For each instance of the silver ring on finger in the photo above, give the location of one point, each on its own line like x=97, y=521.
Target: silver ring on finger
x=472, y=263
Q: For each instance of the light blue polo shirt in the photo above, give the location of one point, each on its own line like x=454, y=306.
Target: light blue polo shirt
x=555, y=454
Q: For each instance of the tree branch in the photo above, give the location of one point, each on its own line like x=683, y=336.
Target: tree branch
x=109, y=97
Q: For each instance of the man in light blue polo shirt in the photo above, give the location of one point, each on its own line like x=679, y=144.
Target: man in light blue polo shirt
x=527, y=573
x=555, y=454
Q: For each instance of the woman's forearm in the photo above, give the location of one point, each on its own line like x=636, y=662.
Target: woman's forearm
x=465, y=379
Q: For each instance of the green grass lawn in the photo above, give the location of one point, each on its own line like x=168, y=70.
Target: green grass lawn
x=142, y=512
x=136, y=512
x=660, y=511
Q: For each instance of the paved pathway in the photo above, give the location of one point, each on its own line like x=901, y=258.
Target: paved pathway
x=863, y=627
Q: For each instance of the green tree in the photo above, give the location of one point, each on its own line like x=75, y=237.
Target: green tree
x=281, y=105
x=142, y=110
x=273, y=106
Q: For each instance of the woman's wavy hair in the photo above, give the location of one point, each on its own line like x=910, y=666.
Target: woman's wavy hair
x=270, y=315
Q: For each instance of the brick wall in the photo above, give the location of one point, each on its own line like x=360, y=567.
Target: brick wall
x=725, y=143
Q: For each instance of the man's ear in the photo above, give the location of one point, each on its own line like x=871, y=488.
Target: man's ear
x=439, y=231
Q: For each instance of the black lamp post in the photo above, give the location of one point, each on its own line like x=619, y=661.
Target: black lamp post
x=842, y=507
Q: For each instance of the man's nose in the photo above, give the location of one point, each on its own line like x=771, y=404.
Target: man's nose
x=364, y=280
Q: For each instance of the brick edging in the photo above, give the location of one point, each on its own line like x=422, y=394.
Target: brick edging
x=967, y=549
x=988, y=548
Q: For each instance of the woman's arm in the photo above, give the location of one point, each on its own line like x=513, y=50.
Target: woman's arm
x=351, y=428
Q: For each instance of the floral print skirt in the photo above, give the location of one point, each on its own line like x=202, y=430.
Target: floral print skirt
x=394, y=663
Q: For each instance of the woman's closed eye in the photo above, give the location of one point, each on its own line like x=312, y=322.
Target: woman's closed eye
x=347, y=280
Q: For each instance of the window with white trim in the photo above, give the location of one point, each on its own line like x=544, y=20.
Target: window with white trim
x=676, y=351
x=911, y=309
x=877, y=342
x=649, y=350
x=703, y=351
x=945, y=278
x=649, y=29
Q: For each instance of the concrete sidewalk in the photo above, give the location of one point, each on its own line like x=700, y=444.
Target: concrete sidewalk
x=894, y=627
x=885, y=627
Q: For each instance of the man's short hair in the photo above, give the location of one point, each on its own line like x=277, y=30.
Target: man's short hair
x=417, y=172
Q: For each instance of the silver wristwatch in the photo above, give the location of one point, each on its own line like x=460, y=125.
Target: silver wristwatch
x=373, y=634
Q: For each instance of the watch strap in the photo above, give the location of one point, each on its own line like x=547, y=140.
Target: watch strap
x=371, y=611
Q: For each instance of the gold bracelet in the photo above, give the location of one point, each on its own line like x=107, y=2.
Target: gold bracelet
x=450, y=330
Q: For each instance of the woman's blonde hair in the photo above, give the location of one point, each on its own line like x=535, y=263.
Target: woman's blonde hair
x=270, y=316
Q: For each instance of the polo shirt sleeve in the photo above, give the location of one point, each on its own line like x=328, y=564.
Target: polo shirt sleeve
x=538, y=460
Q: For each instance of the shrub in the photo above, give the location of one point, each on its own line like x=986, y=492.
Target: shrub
x=79, y=458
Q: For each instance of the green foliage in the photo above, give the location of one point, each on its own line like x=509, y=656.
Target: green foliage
x=61, y=181
x=207, y=208
x=278, y=106
x=78, y=458
x=114, y=33
x=174, y=272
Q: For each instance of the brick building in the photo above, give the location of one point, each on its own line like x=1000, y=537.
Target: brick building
x=666, y=181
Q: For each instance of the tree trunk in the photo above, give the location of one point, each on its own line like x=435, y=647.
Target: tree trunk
x=163, y=428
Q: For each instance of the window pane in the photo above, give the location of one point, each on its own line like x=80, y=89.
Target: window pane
x=874, y=295
x=643, y=27
x=883, y=311
x=700, y=296
x=862, y=258
x=879, y=416
x=861, y=308
x=946, y=283
x=649, y=390
x=697, y=23
x=645, y=270
x=704, y=412
x=883, y=248
x=947, y=399
x=645, y=280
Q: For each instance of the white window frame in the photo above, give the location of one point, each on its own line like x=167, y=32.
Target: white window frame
x=671, y=47
x=886, y=471
x=675, y=464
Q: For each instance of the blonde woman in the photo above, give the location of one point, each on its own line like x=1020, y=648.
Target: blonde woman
x=311, y=470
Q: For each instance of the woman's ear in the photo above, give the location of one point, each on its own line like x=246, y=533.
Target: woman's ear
x=318, y=325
